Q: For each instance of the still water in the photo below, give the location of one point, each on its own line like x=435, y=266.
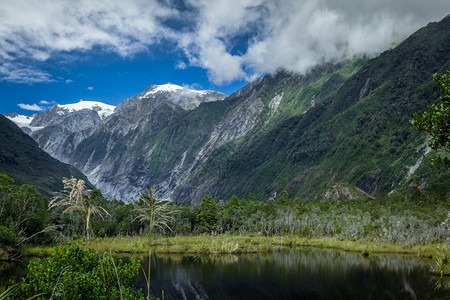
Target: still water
x=285, y=274
x=293, y=274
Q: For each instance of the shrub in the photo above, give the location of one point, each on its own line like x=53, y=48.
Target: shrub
x=76, y=273
x=8, y=237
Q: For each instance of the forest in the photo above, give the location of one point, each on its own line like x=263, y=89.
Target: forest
x=415, y=218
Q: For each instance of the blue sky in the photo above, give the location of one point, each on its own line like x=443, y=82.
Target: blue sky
x=64, y=51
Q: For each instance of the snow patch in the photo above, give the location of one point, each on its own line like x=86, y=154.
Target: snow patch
x=21, y=120
x=24, y=122
x=173, y=88
x=104, y=110
x=168, y=87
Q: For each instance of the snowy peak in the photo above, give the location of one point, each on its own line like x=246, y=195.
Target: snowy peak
x=168, y=87
x=103, y=110
x=20, y=120
x=185, y=97
x=172, y=88
x=24, y=122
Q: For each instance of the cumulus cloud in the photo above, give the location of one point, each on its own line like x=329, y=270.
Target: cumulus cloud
x=36, y=30
x=91, y=88
x=297, y=35
x=231, y=39
x=32, y=107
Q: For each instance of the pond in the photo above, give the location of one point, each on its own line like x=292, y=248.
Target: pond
x=284, y=274
x=293, y=274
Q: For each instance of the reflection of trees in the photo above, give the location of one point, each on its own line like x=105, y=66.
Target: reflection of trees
x=292, y=273
x=442, y=283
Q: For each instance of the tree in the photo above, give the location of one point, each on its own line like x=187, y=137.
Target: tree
x=436, y=120
x=75, y=197
x=206, y=217
x=22, y=213
x=284, y=199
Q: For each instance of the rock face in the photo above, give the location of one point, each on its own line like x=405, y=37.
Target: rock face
x=160, y=137
x=59, y=130
x=114, y=146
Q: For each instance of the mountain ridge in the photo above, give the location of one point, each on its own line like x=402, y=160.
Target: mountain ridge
x=23, y=160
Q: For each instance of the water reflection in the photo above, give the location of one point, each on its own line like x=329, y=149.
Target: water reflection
x=287, y=274
x=12, y=272
x=295, y=274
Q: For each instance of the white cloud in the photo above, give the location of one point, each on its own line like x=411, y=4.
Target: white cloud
x=278, y=33
x=22, y=74
x=68, y=80
x=32, y=107
x=91, y=88
x=181, y=65
x=297, y=35
x=47, y=103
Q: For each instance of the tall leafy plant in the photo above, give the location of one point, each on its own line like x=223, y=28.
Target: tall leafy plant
x=158, y=214
x=75, y=197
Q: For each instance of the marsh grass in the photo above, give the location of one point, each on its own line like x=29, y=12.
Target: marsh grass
x=442, y=262
x=227, y=244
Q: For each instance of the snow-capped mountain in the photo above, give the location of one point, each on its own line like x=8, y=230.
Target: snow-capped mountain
x=24, y=122
x=36, y=122
x=186, y=98
x=59, y=130
x=103, y=110
x=65, y=131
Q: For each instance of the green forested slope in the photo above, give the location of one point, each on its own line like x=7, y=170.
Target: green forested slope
x=23, y=160
x=360, y=136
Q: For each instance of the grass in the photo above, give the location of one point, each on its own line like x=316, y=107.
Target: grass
x=442, y=263
x=226, y=244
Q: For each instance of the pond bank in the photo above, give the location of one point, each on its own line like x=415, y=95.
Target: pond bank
x=227, y=244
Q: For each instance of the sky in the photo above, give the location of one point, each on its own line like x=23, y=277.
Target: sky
x=67, y=50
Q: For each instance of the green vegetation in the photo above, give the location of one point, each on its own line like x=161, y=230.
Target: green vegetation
x=417, y=223
x=158, y=214
x=72, y=272
x=238, y=244
x=359, y=135
x=23, y=217
x=75, y=198
x=436, y=120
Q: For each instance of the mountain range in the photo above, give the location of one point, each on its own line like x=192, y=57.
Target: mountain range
x=340, y=129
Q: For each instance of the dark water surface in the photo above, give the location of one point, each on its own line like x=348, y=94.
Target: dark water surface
x=292, y=274
x=285, y=274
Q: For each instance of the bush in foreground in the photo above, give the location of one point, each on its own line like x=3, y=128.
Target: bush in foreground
x=76, y=273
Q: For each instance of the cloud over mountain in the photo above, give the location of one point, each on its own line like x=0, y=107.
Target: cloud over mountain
x=231, y=39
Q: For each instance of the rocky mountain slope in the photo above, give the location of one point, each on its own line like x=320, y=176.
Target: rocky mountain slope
x=23, y=160
x=343, y=124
